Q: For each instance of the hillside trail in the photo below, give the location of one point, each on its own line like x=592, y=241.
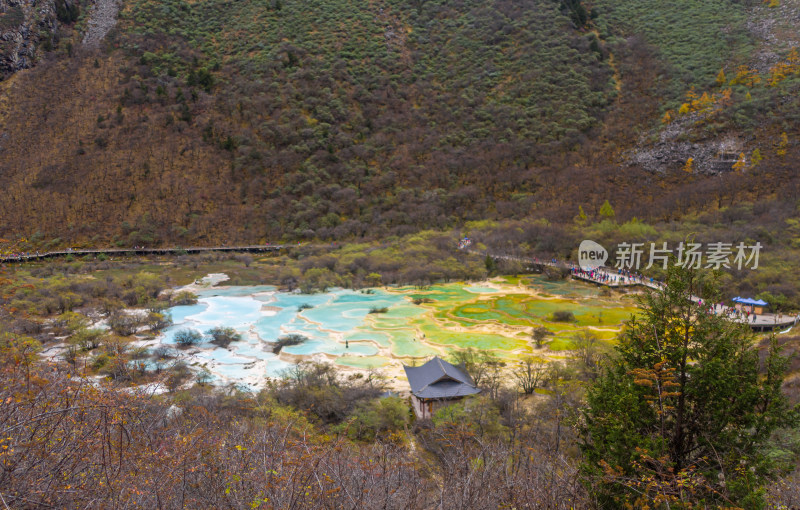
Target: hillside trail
x=102, y=18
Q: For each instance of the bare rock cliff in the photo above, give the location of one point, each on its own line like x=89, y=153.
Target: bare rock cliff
x=27, y=27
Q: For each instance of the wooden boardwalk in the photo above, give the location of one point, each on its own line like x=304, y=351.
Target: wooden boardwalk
x=26, y=257
x=605, y=276
x=761, y=322
x=608, y=277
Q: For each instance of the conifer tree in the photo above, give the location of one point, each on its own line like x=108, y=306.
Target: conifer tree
x=783, y=144
x=721, y=79
x=680, y=415
x=606, y=211
x=581, y=219
x=755, y=157
x=740, y=163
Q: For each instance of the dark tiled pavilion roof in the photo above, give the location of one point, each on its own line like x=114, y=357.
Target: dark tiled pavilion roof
x=439, y=379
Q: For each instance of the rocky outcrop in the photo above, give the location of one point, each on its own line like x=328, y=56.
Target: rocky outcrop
x=26, y=26
x=103, y=17
x=16, y=47
x=710, y=157
x=775, y=30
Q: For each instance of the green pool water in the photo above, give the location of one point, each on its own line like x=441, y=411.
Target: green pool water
x=363, y=361
x=529, y=311
x=455, y=312
x=463, y=340
x=497, y=318
x=477, y=289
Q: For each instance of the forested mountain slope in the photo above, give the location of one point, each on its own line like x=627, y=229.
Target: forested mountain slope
x=204, y=122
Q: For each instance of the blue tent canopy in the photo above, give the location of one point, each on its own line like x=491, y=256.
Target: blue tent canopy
x=748, y=301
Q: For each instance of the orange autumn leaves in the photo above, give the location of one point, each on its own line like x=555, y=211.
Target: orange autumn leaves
x=745, y=76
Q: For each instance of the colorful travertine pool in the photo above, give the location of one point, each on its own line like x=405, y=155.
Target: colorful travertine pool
x=496, y=316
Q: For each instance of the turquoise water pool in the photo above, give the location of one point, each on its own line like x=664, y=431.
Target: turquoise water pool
x=334, y=323
x=361, y=329
x=481, y=290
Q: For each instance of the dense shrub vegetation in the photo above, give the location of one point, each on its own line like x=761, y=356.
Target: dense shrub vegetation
x=286, y=340
x=694, y=39
x=223, y=336
x=354, y=120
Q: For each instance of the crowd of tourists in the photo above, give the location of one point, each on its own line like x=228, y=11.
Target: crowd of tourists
x=613, y=277
x=20, y=255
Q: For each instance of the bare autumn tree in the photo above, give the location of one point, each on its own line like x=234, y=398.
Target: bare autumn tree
x=69, y=443
x=478, y=364
x=529, y=373
x=587, y=353
x=483, y=463
x=539, y=335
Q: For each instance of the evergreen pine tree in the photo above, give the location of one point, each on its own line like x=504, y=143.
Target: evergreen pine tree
x=681, y=413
